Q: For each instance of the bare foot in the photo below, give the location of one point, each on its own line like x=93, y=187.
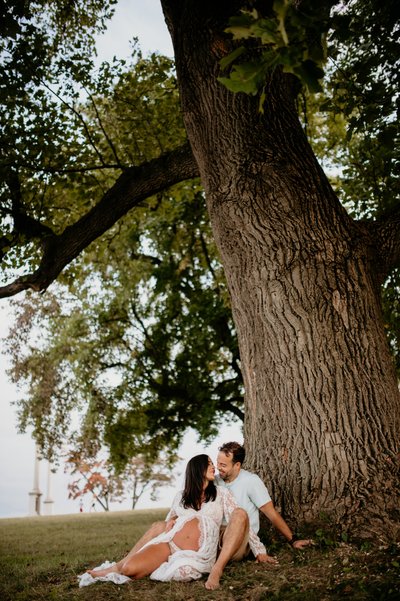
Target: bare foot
x=213, y=580
x=99, y=573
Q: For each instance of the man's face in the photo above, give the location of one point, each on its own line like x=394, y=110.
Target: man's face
x=227, y=469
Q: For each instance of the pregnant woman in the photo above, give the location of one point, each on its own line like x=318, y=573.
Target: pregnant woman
x=187, y=548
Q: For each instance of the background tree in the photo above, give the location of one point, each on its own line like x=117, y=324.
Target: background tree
x=97, y=478
x=151, y=355
x=304, y=276
x=140, y=337
x=92, y=479
x=140, y=476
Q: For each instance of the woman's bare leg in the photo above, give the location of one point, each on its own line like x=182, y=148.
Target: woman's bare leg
x=146, y=561
x=155, y=529
x=98, y=573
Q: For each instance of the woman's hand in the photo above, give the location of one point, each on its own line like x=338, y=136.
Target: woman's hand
x=170, y=524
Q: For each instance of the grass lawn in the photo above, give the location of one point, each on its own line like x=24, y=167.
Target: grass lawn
x=41, y=557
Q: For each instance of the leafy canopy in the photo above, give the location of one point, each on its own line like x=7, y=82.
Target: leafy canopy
x=137, y=335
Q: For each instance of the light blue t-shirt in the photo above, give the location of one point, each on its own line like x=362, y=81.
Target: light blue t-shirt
x=250, y=493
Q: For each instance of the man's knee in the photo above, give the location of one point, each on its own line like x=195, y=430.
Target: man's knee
x=239, y=516
x=237, y=528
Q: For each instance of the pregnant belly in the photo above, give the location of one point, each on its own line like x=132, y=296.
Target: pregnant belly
x=188, y=537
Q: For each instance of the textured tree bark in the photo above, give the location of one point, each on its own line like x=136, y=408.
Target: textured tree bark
x=322, y=401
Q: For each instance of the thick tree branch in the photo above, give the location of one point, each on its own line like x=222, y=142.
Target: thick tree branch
x=229, y=405
x=23, y=223
x=385, y=233
x=133, y=186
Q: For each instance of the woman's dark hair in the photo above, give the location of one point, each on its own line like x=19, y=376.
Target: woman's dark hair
x=195, y=473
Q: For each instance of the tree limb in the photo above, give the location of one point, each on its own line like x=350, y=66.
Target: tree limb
x=133, y=186
x=229, y=405
x=23, y=223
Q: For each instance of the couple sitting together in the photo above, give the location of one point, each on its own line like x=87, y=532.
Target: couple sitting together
x=212, y=521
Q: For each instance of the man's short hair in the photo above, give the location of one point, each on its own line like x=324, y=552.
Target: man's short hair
x=235, y=449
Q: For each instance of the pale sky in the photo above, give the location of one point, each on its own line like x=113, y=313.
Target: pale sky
x=133, y=18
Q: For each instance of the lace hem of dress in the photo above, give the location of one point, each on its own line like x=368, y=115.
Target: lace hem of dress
x=86, y=579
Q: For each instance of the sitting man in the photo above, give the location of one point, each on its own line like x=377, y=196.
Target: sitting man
x=252, y=496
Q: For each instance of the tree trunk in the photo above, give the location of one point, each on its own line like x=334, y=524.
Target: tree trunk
x=322, y=401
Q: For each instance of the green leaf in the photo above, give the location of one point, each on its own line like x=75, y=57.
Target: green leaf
x=246, y=77
x=281, y=8
x=309, y=73
x=240, y=26
x=227, y=60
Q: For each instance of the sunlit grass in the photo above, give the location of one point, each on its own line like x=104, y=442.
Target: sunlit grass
x=40, y=550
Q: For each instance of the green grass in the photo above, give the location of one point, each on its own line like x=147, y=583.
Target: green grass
x=41, y=557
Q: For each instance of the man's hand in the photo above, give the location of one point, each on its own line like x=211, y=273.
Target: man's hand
x=264, y=558
x=301, y=544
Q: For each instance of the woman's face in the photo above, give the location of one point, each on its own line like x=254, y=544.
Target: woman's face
x=210, y=473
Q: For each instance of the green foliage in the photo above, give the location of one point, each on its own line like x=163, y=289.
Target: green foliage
x=138, y=337
x=47, y=51
x=142, y=345
x=290, y=38
x=360, y=39
x=143, y=349
x=68, y=128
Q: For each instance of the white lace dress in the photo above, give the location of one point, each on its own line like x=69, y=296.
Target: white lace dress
x=185, y=565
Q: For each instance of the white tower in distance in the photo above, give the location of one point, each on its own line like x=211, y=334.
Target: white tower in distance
x=48, y=503
x=35, y=494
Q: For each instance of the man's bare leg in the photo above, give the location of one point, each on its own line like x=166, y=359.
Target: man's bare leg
x=155, y=529
x=234, y=536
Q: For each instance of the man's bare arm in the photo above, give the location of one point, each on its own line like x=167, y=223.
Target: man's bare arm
x=279, y=523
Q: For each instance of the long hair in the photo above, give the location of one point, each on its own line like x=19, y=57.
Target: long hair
x=196, y=470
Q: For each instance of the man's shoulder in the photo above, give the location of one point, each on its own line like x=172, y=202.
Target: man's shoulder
x=249, y=481
x=250, y=476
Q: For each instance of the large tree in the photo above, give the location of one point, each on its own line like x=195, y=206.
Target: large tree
x=322, y=398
